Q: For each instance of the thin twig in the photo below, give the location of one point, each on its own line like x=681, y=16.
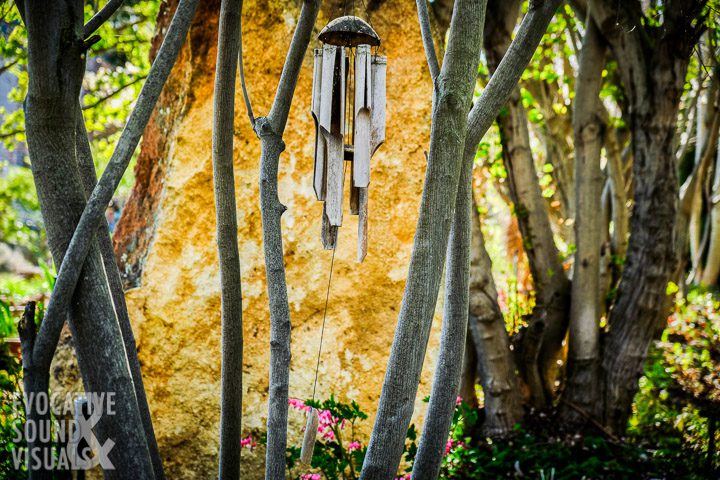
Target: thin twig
x=597, y=424
x=8, y=66
x=113, y=93
x=427, y=38
x=101, y=17
x=11, y=133
x=243, y=85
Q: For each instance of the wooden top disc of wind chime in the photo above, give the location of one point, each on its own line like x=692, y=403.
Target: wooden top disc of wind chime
x=348, y=107
x=349, y=31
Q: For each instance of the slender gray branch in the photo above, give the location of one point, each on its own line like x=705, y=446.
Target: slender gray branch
x=427, y=38
x=508, y=73
x=270, y=131
x=227, y=240
x=449, y=366
x=94, y=211
x=243, y=84
x=101, y=17
x=291, y=69
x=453, y=92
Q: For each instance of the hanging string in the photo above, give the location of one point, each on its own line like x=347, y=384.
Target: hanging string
x=322, y=330
x=327, y=299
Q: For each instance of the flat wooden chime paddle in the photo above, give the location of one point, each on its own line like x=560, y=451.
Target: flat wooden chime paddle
x=348, y=107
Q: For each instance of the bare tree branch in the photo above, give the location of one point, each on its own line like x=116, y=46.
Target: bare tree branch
x=227, y=240
x=243, y=84
x=427, y=38
x=11, y=133
x=8, y=65
x=270, y=131
x=452, y=94
x=449, y=366
x=101, y=17
x=288, y=78
x=108, y=96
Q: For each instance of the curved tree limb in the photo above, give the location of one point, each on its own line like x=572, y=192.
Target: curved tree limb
x=427, y=38
x=243, y=84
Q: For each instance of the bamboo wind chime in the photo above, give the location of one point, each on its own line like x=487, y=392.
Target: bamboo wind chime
x=349, y=126
x=348, y=106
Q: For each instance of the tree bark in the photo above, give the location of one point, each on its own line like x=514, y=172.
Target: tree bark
x=541, y=341
x=452, y=94
x=55, y=67
x=270, y=131
x=452, y=343
x=94, y=211
x=227, y=242
x=35, y=382
x=584, y=333
x=496, y=364
x=653, y=64
x=449, y=366
x=712, y=263
x=89, y=179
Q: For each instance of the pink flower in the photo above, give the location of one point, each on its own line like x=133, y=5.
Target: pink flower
x=458, y=400
x=248, y=442
x=311, y=476
x=452, y=444
x=354, y=446
x=298, y=404
x=404, y=477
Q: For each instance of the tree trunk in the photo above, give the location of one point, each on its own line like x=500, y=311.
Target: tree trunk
x=448, y=369
x=89, y=178
x=584, y=307
x=712, y=263
x=55, y=67
x=452, y=95
x=35, y=383
x=270, y=131
x=503, y=402
x=227, y=239
x=653, y=72
x=541, y=342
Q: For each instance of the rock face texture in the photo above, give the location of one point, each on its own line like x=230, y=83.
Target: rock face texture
x=166, y=238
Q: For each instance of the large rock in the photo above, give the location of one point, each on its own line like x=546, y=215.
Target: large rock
x=166, y=238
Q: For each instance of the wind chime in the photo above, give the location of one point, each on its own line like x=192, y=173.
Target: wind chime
x=348, y=106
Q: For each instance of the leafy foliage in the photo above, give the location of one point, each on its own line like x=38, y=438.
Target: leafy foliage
x=680, y=391
x=10, y=419
x=338, y=453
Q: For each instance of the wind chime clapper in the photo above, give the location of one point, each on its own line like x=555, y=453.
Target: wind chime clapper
x=348, y=106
